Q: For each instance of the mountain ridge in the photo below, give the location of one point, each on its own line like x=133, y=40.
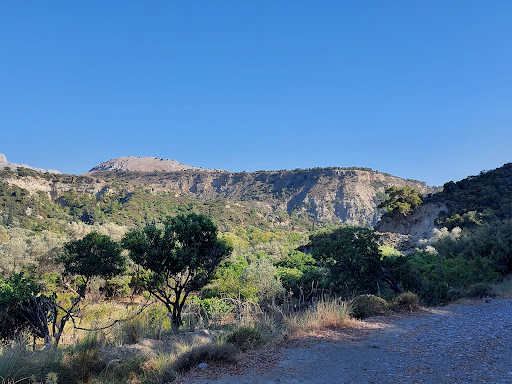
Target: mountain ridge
x=323, y=195
x=6, y=164
x=143, y=164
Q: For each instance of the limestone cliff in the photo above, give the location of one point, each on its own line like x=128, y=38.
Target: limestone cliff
x=325, y=194
x=5, y=164
x=142, y=164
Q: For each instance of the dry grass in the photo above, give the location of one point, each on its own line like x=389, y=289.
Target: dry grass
x=327, y=314
x=246, y=338
x=205, y=354
x=503, y=288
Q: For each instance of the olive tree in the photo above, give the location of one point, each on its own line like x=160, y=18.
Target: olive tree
x=177, y=259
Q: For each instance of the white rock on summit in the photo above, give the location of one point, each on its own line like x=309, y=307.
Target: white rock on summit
x=3, y=159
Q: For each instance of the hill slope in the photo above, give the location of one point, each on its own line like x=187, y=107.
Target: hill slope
x=5, y=164
x=141, y=164
x=323, y=194
x=468, y=203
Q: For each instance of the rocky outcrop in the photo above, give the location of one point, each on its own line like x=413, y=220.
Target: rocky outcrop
x=325, y=194
x=5, y=164
x=142, y=164
x=406, y=232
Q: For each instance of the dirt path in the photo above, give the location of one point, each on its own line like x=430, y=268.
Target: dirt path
x=455, y=344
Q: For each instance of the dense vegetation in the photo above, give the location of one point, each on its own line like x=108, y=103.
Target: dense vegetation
x=474, y=242
x=206, y=261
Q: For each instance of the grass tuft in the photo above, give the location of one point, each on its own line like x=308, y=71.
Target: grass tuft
x=330, y=314
x=246, y=338
x=504, y=287
x=205, y=354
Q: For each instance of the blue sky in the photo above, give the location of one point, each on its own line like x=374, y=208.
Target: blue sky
x=417, y=89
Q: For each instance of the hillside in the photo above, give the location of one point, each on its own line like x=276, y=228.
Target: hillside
x=482, y=199
x=4, y=164
x=142, y=164
x=322, y=195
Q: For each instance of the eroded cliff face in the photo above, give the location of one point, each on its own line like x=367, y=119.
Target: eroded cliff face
x=406, y=232
x=325, y=194
x=4, y=164
x=328, y=195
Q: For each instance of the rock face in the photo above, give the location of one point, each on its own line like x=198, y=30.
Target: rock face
x=5, y=164
x=405, y=232
x=142, y=164
x=326, y=194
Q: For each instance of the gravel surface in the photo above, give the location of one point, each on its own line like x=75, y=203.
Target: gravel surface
x=469, y=343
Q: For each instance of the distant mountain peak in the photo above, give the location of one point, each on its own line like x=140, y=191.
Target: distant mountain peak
x=5, y=164
x=143, y=164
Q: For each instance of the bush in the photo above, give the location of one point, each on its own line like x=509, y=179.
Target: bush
x=406, y=302
x=204, y=354
x=364, y=306
x=246, y=338
x=480, y=290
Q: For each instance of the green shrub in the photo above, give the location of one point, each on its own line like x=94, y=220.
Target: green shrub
x=246, y=338
x=205, y=354
x=407, y=301
x=480, y=290
x=364, y=306
x=435, y=293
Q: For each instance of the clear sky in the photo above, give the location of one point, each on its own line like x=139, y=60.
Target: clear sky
x=418, y=89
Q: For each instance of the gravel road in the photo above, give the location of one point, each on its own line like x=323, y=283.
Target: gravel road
x=469, y=343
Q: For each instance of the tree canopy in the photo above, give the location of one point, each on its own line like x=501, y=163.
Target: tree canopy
x=94, y=255
x=177, y=259
x=402, y=200
x=354, y=261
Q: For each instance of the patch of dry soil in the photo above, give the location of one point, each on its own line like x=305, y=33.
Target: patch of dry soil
x=464, y=343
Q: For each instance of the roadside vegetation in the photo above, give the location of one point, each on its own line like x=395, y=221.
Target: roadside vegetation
x=137, y=286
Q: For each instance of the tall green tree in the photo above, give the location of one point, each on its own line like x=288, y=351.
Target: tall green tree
x=175, y=260
x=95, y=255
x=354, y=261
x=44, y=316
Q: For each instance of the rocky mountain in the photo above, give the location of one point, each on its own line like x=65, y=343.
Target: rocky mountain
x=5, y=164
x=322, y=194
x=142, y=164
x=319, y=195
